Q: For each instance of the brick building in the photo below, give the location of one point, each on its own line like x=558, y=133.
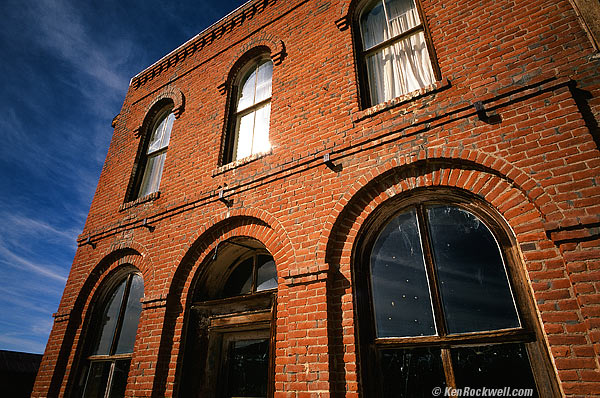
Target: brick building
x=347, y=198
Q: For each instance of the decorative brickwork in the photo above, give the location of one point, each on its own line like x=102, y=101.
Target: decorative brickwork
x=512, y=126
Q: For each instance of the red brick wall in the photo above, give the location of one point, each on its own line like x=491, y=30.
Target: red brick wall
x=530, y=63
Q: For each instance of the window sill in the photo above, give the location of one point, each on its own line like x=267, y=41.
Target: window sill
x=403, y=99
x=148, y=198
x=240, y=162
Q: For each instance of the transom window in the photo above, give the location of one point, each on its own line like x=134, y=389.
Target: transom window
x=252, y=111
x=442, y=308
x=232, y=324
x=155, y=152
x=115, y=329
x=395, y=53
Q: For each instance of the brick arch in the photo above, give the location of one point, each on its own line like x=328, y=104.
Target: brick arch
x=253, y=223
x=263, y=40
x=114, y=258
x=171, y=93
x=461, y=167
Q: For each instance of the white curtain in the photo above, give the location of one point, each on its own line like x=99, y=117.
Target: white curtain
x=402, y=67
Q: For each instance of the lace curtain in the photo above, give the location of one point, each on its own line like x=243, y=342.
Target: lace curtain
x=403, y=66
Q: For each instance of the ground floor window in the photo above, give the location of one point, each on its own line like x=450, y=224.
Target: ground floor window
x=444, y=306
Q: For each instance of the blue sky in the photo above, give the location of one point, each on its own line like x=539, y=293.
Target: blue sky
x=65, y=68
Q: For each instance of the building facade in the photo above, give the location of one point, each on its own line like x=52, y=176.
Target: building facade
x=347, y=198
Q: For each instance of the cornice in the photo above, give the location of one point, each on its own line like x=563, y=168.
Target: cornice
x=202, y=40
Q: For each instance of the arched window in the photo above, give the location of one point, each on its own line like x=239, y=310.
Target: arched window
x=112, y=331
x=445, y=307
x=231, y=324
x=251, y=111
x=395, y=54
x=154, y=152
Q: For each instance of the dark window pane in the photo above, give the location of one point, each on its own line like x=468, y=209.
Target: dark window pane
x=240, y=280
x=495, y=366
x=131, y=316
x=401, y=300
x=108, y=321
x=119, y=378
x=266, y=275
x=248, y=368
x=95, y=385
x=475, y=292
x=411, y=373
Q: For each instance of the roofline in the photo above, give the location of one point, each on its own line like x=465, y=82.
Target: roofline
x=189, y=40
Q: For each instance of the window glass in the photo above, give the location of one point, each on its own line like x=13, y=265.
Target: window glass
x=97, y=379
x=108, y=322
x=131, y=316
x=240, y=280
x=266, y=274
x=402, y=64
x=152, y=174
x=260, y=142
x=119, y=378
x=401, y=300
x=474, y=286
x=412, y=373
x=263, y=81
x=253, y=111
x=247, y=92
x=494, y=366
x=245, y=133
x=155, y=154
x=107, y=374
x=248, y=368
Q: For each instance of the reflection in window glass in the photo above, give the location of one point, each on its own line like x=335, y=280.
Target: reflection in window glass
x=471, y=274
x=266, y=276
x=108, y=323
x=119, y=378
x=109, y=362
x=240, y=280
x=401, y=65
x=248, y=368
x=411, y=373
x=131, y=316
x=97, y=379
x=399, y=283
x=495, y=366
x=156, y=154
x=253, y=110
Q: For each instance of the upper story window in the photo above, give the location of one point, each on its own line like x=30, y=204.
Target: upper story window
x=152, y=160
x=251, y=112
x=113, y=330
x=394, y=49
x=442, y=311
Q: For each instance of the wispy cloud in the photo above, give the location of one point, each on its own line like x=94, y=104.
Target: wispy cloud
x=66, y=35
x=22, y=263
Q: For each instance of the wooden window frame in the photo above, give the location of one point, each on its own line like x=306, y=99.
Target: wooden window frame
x=154, y=118
x=232, y=132
x=364, y=86
x=112, y=357
x=212, y=319
x=529, y=334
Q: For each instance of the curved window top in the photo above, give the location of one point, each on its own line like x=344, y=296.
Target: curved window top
x=238, y=267
x=154, y=156
x=255, y=274
x=119, y=320
x=252, y=111
x=468, y=270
